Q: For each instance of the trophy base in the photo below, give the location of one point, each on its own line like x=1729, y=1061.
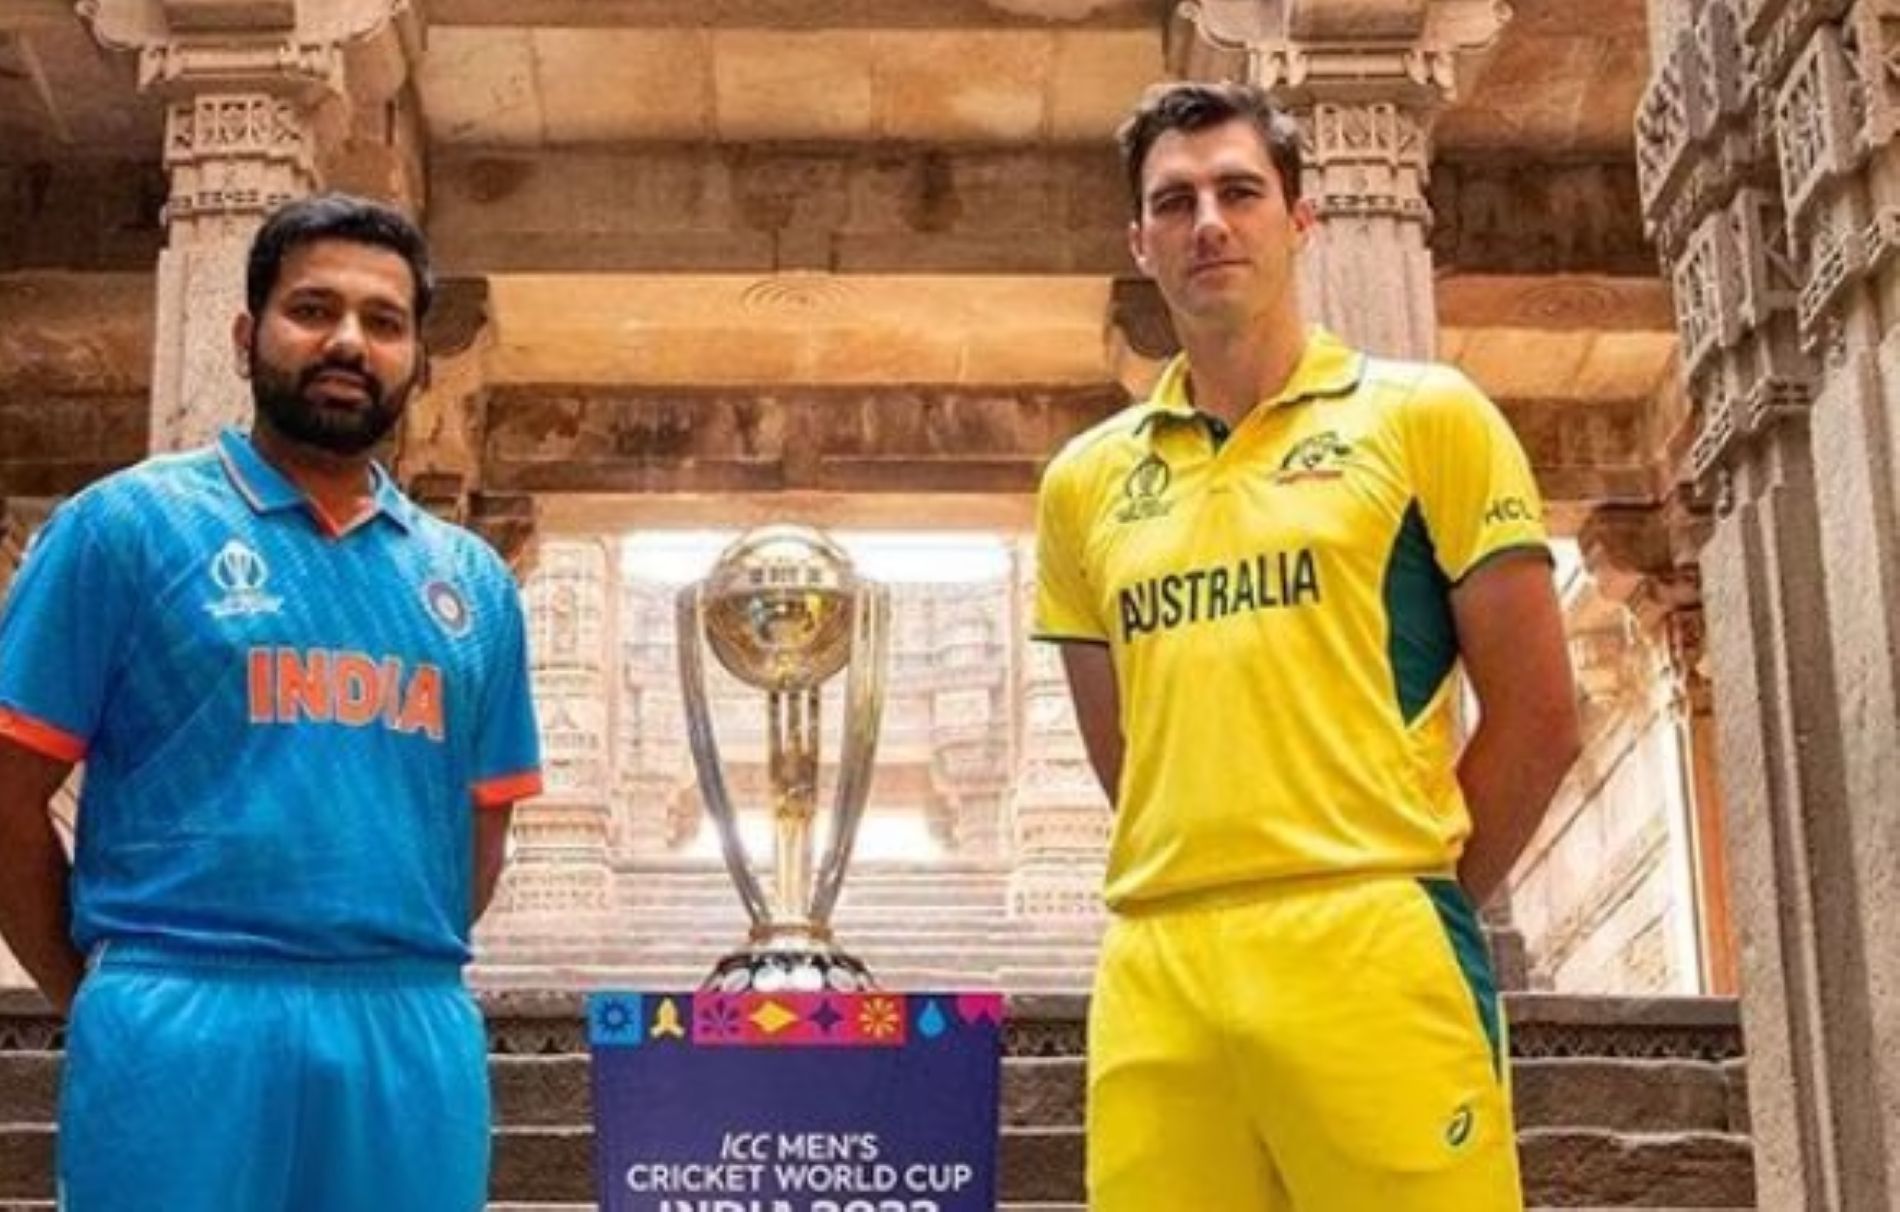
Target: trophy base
x=801, y=971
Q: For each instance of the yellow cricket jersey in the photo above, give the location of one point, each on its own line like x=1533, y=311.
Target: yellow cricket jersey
x=1277, y=604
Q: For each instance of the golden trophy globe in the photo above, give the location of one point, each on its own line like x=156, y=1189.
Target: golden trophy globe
x=784, y=612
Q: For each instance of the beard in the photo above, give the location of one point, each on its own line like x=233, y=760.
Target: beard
x=287, y=399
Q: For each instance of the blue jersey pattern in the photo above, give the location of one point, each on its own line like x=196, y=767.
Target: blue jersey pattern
x=285, y=729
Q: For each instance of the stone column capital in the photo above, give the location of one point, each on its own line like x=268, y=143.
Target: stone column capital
x=186, y=47
x=260, y=93
x=1409, y=53
x=1643, y=559
x=1642, y=552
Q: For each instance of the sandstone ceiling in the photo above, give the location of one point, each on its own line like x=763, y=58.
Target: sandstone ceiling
x=870, y=194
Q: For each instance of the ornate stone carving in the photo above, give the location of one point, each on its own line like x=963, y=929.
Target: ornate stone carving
x=1060, y=820
x=567, y=598
x=1872, y=42
x=1701, y=293
x=1662, y=130
x=971, y=712
x=1776, y=31
x=1836, y=255
x=1366, y=159
x=1769, y=279
x=1718, y=87
x=1814, y=126
x=561, y=837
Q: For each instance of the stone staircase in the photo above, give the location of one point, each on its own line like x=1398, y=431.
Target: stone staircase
x=1622, y=1103
x=918, y=926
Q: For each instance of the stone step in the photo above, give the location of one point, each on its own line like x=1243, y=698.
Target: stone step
x=1630, y=1097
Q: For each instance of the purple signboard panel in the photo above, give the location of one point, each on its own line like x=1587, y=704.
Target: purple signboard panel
x=862, y=1102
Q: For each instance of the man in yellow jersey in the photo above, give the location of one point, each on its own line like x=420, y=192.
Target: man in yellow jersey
x=1263, y=579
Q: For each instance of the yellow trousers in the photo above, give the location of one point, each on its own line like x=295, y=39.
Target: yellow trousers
x=1333, y=1045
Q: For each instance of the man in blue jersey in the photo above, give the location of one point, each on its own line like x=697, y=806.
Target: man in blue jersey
x=302, y=706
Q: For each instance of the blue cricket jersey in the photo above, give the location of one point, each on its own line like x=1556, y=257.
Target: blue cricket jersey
x=285, y=726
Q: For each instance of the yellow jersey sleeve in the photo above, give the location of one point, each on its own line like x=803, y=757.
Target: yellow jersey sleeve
x=1473, y=480
x=1065, y=610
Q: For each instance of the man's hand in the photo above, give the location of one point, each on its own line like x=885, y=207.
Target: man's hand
x=1511, y=636
x=1091, y=672
x=35, y=904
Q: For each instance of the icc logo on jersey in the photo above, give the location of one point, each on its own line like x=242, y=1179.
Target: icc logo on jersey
x=241, y=573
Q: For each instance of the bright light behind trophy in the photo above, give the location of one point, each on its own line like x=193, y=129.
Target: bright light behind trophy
x=784, y=612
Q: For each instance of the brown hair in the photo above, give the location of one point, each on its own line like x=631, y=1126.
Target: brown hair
x=1190, y=106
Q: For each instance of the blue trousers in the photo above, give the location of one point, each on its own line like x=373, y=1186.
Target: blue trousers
x=234, y=1085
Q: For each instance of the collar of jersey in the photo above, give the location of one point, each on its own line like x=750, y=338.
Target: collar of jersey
x=268, y=490
x=1327, y=367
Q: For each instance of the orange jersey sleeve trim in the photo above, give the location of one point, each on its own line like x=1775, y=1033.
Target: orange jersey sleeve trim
x=506, y=789
x=40, y=737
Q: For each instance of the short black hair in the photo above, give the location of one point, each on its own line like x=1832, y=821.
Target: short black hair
x=1192, y=105
x=334, y=216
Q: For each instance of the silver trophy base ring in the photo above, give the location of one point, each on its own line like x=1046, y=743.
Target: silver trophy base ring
x=789, y=972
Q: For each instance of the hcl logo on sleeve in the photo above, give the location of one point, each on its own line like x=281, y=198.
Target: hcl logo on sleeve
x=241, y=573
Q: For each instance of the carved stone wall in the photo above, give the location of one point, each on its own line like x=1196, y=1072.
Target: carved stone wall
x=1768, y=174
x=1604, y=894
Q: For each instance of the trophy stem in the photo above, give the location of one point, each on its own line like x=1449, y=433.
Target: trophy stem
x=793, y=760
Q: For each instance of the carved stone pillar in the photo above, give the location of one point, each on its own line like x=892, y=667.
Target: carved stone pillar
x=657, y=804
x=1059, y=819
x=560, y=866
x=232, y=157
x=1643, y=559
x=259, y=96
x=970, y=713
x=1766, y=162
x=1364, y=83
